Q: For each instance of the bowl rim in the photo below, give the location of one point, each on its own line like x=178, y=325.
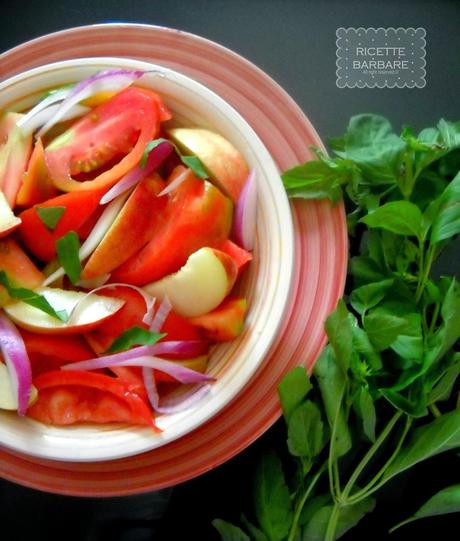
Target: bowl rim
x=281, y=199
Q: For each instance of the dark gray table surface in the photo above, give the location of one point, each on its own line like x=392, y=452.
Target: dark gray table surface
x=294, y=42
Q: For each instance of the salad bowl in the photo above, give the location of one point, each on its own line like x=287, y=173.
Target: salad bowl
x=266, y=283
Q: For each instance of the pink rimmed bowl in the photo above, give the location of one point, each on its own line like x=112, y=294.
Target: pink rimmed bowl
x=266, y=284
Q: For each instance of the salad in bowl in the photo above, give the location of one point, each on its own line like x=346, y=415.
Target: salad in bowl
x=145, y=257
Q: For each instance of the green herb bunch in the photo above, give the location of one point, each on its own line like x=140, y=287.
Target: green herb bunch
x=383, y=395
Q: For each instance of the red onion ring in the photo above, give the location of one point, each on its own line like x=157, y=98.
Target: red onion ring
x=246, y=214
x=16, y=359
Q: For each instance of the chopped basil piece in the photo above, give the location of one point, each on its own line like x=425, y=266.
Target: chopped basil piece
x=50, y=216
x=135, y=336
x=67, y=248
x=30, y=297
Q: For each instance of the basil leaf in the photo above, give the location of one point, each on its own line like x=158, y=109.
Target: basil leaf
x=315, y=180
x=67, y=248
x=383, y=327
x=450, y=134
x=414, y=406
x=449, y=332
x=305, y=431
x=367, y=296
x=447, y=221
x=292, y=389
x=348, y=518
x=272, y=501
x=339, y=327
x=444, y=502
x=365, y=349
x=310, y=509
x=365, y=270
x=30, y=297
x=409, y=343
x=195, y=164
x=429, y=440
x=332, y=382
x=365, y=409
x=135, y=336
x=50, y=216
x=255, y=533
x=371, y=144
x=399, y=217
x=229, y=532
x=444, y=386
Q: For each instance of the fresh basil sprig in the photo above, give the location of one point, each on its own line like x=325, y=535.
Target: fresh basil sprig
x=383, y=396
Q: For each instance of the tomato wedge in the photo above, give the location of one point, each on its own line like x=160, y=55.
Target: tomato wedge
x=38, y=239
x=49, y=351
x=117, y=131
x=71, y=396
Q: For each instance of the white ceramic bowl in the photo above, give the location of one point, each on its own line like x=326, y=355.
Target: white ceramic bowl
x=266, y=284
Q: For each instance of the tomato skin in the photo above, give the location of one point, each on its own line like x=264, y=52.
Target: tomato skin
x=72, y=396
x=119, y=127
x=38, y=239
x=49, y=352
x=197, y=215
x=239, y=255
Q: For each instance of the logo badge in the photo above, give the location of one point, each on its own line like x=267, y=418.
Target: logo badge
x=381, y=57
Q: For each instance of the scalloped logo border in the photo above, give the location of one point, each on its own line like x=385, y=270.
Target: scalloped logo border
x=381, y=57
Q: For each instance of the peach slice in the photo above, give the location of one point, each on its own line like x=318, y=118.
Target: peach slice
x=90, y=313
x=18, y=266
x=8, y=221
x=131, y=230
x=200, y=285
x=225, y=322
x=226, y=166
x=8, y=399
x=14, y=155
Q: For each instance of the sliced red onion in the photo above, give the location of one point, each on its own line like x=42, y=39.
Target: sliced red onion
x=17, y=361
x=148, y=299
x=246, y=214
x=183, y=398
x=43, y=116
x=93, y=240
x=176, y=401
x=147, y=359
x=155, y=158
x=175, y=183
x=52, y=98
x=162, y=313
x=104, y=81
x=189, y=348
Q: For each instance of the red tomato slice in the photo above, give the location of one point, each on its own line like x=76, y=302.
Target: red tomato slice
x=68, y=397
x=118, y=128
x=239, y=255
x=49, y=352
x=197, y=214
x=38, y=239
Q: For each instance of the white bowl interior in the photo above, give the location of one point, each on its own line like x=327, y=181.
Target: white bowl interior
x=266, y=284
